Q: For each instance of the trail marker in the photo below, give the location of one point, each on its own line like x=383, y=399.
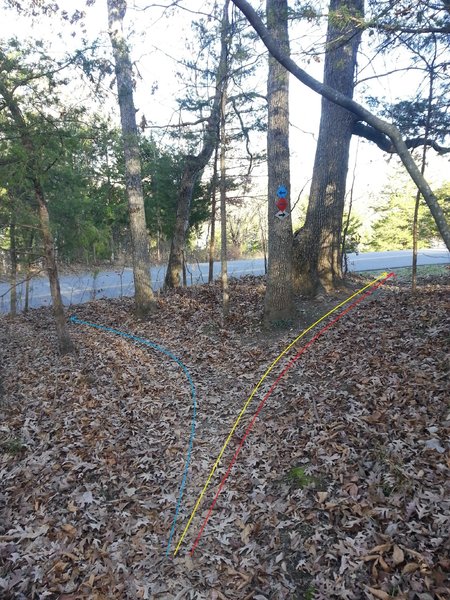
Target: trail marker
x=282, y=191
x=281, y=204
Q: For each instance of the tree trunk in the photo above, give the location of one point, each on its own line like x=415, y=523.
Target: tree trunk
x=422, y=170
x=13, y=260
x=317, y=249
x=194, y=165
x=144, y=299
x=223, y=210
x=28, y=273
x=362, y=114
x=64, y=341
x=212, y=238
x=278, y=302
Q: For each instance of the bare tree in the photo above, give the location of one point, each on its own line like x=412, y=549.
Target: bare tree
x=144, y=299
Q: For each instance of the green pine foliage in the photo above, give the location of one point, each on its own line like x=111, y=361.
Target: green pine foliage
x=162, y=169
x=393, y=229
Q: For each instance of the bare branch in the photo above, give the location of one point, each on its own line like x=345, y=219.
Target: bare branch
x=245, y=134
x=385, y=144
x=177, y=125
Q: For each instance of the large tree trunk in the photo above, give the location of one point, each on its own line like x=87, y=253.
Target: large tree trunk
x=375, y=123
x=144, y=299
x=278, y=303
x=194, y=165
x=318, y=244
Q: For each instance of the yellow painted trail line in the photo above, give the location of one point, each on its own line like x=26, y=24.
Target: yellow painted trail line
x=249, y=399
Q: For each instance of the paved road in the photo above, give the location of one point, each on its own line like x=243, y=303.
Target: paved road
x=76, y=289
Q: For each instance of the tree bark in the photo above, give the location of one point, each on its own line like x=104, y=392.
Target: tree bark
x=212, y=237
x=13, y=260
x=223, y=208
x=278, y=302
x=28, y=272
x=362, y=114
x=422, y=170
x=194, y=165
x=318, y=244
x=65, y=343
x=144, y=299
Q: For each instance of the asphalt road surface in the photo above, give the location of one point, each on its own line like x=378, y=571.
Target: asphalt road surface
x=76, y=289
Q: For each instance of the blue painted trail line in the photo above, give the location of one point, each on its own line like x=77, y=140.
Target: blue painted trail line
x=172, y=356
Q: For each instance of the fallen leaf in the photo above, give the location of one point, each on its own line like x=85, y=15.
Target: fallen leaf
x=410, y=568
x=379, y=594
x=322, y=496
x=381, y=548
x=69, y=529
x=398, y=556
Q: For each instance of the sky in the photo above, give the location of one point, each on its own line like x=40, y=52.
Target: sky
x=158, y=45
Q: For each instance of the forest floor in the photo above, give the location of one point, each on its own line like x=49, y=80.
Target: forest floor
x=341, y=490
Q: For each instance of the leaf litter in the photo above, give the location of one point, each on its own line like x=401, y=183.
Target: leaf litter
x=93, y=447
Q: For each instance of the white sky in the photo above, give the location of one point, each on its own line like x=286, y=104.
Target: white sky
x=157, y=44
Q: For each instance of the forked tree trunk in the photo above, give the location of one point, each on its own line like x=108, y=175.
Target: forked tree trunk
x=144, y=299
x=194, y=165
x=278, y=303
x=318, y=244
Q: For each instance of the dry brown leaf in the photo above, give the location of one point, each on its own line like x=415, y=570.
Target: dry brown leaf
x=381, y=548
x=246, y=532
x=383, y=564
x=370, y=557
x=398, y=555
x=69, y=529
x=379, y=594
x=410, y=568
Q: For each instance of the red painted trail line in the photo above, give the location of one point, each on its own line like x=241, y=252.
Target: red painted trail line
x=263, y=401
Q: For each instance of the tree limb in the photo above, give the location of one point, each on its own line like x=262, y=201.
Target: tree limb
x=385, y=144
